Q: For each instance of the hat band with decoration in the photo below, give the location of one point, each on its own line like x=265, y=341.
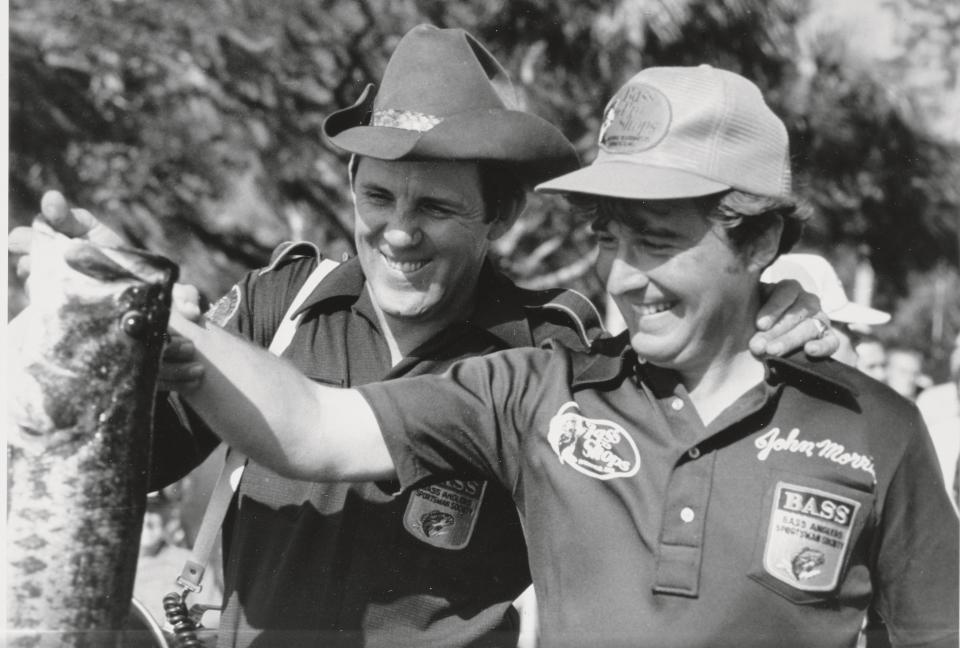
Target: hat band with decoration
x=443, y=96
x=405, y=119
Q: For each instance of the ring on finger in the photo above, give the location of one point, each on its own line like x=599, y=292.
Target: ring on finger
x=821, y=327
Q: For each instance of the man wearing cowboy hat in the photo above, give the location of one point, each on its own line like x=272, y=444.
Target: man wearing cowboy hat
x=440, y=168
x=675, y=490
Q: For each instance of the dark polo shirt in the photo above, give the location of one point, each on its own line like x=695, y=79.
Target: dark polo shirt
x=310, y=564
x=812, y=497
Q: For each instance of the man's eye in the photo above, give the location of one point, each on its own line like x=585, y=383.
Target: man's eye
x=438, y=210
x=376, y=197
x=655, y=246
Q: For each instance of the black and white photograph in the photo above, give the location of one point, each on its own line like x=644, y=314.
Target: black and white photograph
x=481, y=324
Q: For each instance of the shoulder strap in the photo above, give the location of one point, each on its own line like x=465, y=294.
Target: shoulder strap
x=229, y=478
x=288, y=325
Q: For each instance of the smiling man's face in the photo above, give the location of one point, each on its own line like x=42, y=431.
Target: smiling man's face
x=421, y=236
x=685, y=293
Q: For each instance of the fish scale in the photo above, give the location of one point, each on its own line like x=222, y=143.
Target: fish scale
x=84, y=362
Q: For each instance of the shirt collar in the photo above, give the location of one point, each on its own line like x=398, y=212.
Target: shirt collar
x=344, y=281
x=613, y=359
x=799, y=370
x=610, y=359
x=503, y=313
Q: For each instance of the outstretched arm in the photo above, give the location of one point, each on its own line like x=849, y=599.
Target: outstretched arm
x=254, y=401
x=265, y=408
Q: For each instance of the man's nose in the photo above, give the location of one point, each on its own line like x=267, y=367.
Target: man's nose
x=625, y=277
x=403, y=231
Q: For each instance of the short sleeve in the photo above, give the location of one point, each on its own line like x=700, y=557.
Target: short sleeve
x=468, y=422
x=254, y=306
x=252, y=309
x=917, y=558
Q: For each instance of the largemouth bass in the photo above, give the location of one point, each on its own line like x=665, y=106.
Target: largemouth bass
x=83, y=363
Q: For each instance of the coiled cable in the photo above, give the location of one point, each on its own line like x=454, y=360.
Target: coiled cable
x=179, y=619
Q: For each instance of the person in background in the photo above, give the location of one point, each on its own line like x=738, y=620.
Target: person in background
x=441, y=163
x=675, y=489
x=871, y=355
x=818, y=276
x=940, y=407
x=905, y=371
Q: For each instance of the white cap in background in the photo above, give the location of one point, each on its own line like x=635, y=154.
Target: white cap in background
x=817, y=276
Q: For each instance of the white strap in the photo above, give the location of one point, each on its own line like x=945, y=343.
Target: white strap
x=196, y=563
x=289, y=323
x=229, y=478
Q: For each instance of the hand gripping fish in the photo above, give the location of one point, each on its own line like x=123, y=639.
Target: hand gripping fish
x=83, y=361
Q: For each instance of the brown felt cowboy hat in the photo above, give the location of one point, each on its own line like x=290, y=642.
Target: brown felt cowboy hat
x=442, y=97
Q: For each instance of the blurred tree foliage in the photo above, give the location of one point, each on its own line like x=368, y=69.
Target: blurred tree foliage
x=194, y=128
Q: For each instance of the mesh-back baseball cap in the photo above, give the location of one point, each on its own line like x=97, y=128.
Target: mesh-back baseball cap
x=682, y=132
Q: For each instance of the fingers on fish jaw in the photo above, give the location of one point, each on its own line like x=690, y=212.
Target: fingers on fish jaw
x=54, y=206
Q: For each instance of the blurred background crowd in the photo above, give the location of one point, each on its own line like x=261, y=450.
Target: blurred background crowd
x=194, y=129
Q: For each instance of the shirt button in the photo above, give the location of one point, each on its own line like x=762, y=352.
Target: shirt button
x=693, y=452
x=687, y=514
x=677, y=404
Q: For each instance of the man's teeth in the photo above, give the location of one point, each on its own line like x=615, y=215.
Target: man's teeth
x=404, y=266
x=653, y=309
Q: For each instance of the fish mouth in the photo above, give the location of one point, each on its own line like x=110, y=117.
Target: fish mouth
x=408, y=266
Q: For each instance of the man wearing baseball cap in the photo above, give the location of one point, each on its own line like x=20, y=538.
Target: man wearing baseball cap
x=440, y=165
x=441, y=161
x=674, y=489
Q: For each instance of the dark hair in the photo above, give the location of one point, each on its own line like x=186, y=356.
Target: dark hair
x=745, y=216
x=501, y=188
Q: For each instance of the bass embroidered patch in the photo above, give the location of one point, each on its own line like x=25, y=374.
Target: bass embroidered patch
x=444, y=515
x=808, y=537
x=595, y=447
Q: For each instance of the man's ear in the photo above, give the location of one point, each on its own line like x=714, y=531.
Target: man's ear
x=763, y=250
x=352, y=167
x=507, y=215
